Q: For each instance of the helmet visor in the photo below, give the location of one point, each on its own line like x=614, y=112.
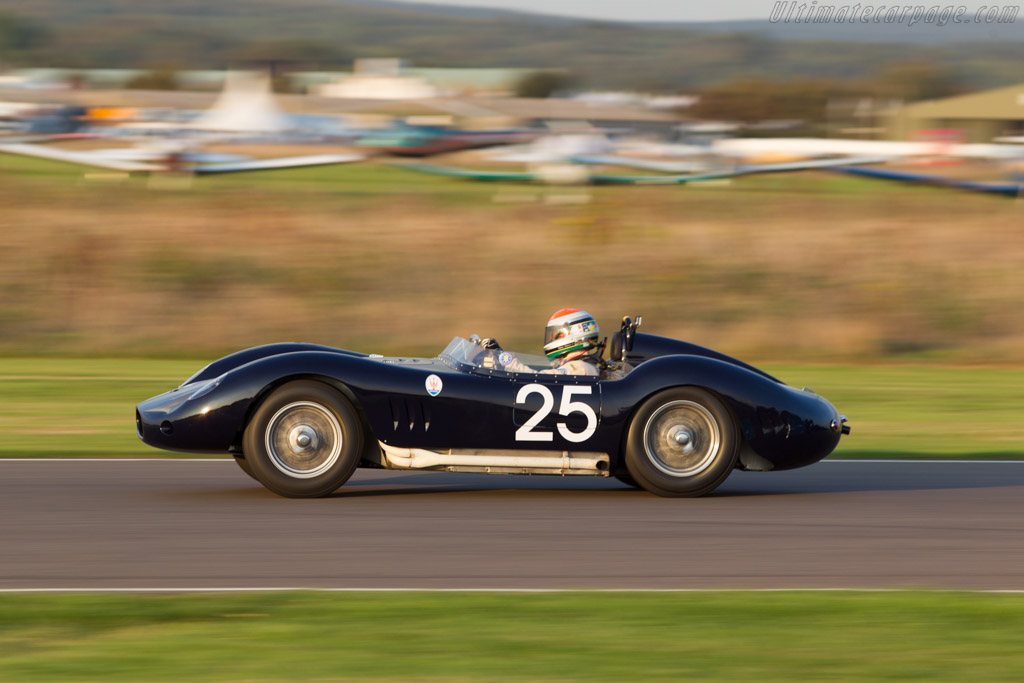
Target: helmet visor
x=565, y=335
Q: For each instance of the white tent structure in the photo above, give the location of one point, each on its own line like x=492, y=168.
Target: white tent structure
x=245, y=108
x=246, y=105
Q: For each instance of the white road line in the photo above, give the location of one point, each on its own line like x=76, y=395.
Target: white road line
x=292, y=589
x=84, y=378
x=823, y=462
x=929, y=461
x=116, y=460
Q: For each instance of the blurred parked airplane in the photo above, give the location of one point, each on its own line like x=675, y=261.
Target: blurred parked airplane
x=170, y=158
x=1014, y=188
x=245, y=111
x=805, y=148
x=596, y=147
x=887, y=150
x=411, y=140
x=573, y=174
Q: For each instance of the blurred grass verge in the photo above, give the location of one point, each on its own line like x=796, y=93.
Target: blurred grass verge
x=707, y=636
x=62, y=407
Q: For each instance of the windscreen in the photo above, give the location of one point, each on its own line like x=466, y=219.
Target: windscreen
x=468, y=356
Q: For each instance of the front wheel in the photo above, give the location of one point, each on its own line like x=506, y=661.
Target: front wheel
x=682, y=442
x=304, y=441
x=244, y=466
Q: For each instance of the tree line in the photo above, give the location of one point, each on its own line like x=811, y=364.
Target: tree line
x=325, y=35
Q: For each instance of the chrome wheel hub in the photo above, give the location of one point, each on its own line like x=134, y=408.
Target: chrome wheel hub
x=304, y=439
x=682, y=438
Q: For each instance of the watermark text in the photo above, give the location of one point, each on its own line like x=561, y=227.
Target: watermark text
x=797, y=12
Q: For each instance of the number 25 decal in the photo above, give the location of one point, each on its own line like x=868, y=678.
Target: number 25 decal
x=566, y=408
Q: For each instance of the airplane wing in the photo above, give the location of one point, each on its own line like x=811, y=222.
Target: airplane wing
x=820, y=147
x=130, y=161
x=808, y=165
x=555, y=175
x=615, y=179
x=81, y=158
x=642, y=164
x=1005, y=189
x=678, y=167
x=738, y=171
x=612, y=179
x=282, y=162
x=470, y=174
x=817, y=148
x=158, y=154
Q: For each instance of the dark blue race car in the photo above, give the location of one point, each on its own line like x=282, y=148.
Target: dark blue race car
x=671, y=417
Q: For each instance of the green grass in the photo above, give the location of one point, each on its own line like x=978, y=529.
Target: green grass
x=709, y=636
x=921, y=411
x=60, y=407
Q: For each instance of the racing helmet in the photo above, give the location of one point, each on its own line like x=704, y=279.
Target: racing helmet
x=570, y=333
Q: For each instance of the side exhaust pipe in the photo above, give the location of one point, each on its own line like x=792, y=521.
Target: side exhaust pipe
x=526, y=462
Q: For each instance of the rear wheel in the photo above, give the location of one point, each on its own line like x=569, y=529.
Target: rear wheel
x=304, y=441
x=682, y=442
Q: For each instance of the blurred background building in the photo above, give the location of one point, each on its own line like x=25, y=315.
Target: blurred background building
x=984, y=116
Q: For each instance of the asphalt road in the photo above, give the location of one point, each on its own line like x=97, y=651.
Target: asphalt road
x=204, y=524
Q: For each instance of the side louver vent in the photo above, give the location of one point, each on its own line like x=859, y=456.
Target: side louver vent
x=409, y=413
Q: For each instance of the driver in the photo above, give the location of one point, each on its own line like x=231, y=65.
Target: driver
x=569, y=340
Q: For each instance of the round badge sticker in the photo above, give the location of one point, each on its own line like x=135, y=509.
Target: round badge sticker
x=505, y=358
x=434, y=385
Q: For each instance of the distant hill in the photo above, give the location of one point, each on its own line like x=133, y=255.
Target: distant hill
x=330, y=33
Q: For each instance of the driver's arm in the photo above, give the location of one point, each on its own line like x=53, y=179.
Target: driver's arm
x=570, y=368
x=506, y=360
x=514, y=364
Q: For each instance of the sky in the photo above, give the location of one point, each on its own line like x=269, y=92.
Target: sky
x=677, y=10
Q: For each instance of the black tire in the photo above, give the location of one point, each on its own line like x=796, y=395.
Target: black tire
x=304, y=441
x=243, y=464
x=682, y=442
